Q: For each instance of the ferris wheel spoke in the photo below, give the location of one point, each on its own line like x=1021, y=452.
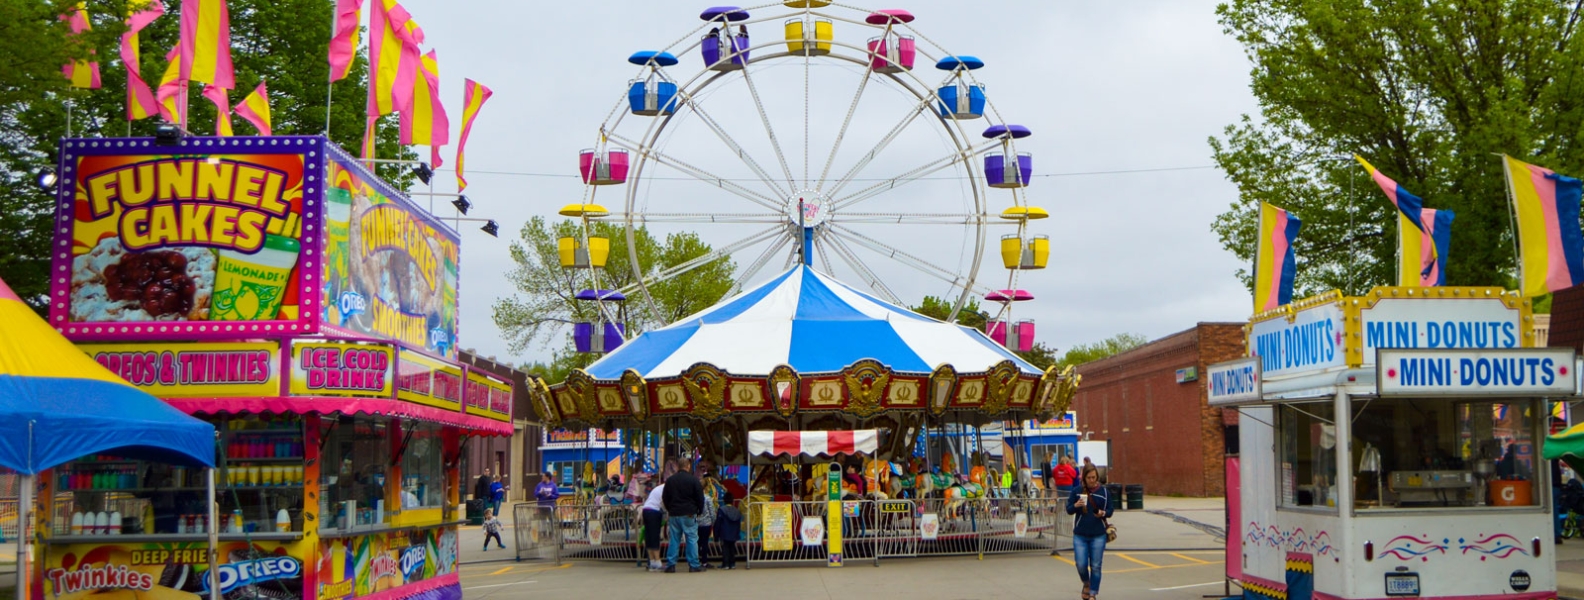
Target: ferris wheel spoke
x=934, y=166
x=697, y=173
x=916, y=219
x=825, y=260
x=753, y=90
x=759, y=263
x=737, y=149
x=653, y=217
x=905, y=258
x=863, y=270
x=704, y=259
x=885, y=141
x=842, y=133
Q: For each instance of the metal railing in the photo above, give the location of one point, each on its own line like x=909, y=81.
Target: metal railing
x=535, y=534
x=600, y=532
x=799, y=532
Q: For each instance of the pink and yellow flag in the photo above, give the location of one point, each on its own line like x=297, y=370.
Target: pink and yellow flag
x=140, y=99
x=344, y=38
x=255, y=108
x=1550, y=244
x=369, y=139
x=425, y=122
x=81, y=73
x=394, y=40
x=206, y=43
x=172, y=91
x=1274, y=261
x=474, y=94
x=222, y=102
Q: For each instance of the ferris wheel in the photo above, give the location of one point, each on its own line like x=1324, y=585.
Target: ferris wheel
x=802, y=132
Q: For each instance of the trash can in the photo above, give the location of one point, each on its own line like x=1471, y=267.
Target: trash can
x=475, y=512
x=1135, y=496
x=1114, y=492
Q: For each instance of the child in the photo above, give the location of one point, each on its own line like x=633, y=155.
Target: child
x=728, y=528
x=492, y=529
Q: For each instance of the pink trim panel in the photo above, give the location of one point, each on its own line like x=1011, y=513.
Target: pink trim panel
x=368, y=406
x=1523, y=596
x=413, y=589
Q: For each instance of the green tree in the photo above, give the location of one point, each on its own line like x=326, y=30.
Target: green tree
x=1115, y=344
x=282, y=41
x=1040, y=355
x=940, y=308
x=544, y=304
x=1427, y=92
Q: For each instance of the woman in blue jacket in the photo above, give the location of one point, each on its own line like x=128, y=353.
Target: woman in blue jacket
x=1092, y=505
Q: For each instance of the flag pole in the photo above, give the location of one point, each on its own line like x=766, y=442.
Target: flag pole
x=1512, y=221
x=330, y=73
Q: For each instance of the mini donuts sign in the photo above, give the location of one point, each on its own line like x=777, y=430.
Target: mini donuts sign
x=342, y=369
x=209, y=239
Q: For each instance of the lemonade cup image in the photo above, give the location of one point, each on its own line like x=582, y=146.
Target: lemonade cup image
x=250, y=287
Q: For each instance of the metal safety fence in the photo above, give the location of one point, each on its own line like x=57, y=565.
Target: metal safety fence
x=535, y=534
x=600, y=532
x=801, y=532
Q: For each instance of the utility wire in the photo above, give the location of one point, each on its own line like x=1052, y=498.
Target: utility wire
x=1071, y=174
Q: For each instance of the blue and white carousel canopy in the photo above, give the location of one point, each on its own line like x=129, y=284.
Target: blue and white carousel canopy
x=811, y=322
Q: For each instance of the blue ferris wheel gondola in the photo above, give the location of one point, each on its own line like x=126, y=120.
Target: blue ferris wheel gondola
x=952, y=63
x=652, y=96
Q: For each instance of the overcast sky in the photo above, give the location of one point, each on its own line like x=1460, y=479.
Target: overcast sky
x=1130, y=85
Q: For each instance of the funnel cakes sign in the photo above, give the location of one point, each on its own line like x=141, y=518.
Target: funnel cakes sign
x=203, y=240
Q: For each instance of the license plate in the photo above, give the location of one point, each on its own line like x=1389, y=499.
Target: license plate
x=1402, y=584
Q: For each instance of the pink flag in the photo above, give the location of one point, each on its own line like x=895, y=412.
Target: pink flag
x=474, y=94
x=140, y=99
x=344, y=40
x=81, y=73
x=394, y=57
x=255, y=108
x=172, y=93
x=206, y=43
x=217, y=95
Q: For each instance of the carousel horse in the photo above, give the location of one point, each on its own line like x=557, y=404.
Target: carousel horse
x=905, y=480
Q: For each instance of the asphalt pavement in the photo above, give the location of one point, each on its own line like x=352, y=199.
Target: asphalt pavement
x=1169, y=551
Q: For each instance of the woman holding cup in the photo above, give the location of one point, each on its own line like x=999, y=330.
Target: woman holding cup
x=1092, y=505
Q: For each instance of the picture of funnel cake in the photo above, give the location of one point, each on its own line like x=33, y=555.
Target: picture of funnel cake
x=111, y=284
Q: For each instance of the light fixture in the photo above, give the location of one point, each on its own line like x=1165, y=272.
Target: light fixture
x=461, y=203
x=491, y=228
x=46, y=179
x=168, y=134
x=423, y=172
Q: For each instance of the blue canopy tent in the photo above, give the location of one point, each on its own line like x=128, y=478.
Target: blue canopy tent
x=57, y=405
x=811, y=322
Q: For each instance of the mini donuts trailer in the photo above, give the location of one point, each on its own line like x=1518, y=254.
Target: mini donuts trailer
x=277, y=288
x=1389, y=446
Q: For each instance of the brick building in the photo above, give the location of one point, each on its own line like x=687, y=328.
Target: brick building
x=517, y=456
x=1162, y=433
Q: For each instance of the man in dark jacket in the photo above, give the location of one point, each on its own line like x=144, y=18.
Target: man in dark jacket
x=481, y=488
x=684, y=500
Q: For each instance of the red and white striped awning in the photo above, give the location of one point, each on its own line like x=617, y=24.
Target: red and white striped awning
x=813, y=443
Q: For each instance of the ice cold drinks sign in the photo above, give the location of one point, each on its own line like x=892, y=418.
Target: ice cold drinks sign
x=342, y=369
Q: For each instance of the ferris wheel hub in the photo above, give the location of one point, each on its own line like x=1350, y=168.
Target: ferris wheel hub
x=808, y=208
